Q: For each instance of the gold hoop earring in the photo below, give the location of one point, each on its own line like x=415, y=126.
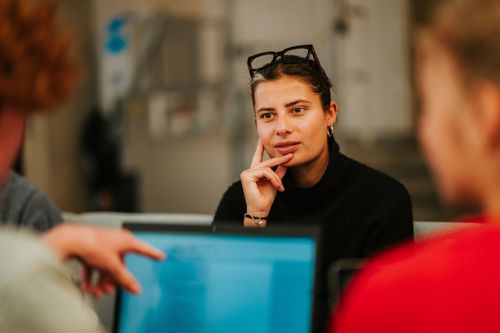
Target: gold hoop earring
x=329, y=131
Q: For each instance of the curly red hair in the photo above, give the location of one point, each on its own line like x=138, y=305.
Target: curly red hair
x=38, y=67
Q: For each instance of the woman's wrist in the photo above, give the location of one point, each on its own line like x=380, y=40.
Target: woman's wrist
x=252, y=222
x=255, y=218
x=257, y=212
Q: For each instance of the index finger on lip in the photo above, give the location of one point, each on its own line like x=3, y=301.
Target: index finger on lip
x=276, y=161
x=259, y=153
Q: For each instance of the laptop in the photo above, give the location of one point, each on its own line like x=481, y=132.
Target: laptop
x=340, y=274
x=220, y=279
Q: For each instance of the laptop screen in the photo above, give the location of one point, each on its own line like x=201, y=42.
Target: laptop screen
x=221, y=282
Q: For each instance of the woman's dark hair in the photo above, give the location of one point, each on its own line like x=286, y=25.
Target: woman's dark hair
x=304, y=69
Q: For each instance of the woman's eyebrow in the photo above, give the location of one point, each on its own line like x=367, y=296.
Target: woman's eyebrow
x=296, y=102
x=287, y=105
x=267, y=109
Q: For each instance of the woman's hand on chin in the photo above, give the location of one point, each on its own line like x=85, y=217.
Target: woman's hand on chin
x=260, y=182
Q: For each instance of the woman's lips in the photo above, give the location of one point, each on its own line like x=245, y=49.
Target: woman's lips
x=287, y=148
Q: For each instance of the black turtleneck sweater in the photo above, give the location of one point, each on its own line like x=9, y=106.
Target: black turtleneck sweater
x=361, y=210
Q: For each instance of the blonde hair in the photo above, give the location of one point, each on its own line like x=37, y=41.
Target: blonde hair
x=469, y=29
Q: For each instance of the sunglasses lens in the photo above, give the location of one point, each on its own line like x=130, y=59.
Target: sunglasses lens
x=301, y=53
x=262, y=61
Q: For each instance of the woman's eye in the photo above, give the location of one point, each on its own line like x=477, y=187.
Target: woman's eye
x=298, y=110
x=266, y=116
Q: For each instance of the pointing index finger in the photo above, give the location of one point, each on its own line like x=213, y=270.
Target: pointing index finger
x=259, y=153
x=146, y=250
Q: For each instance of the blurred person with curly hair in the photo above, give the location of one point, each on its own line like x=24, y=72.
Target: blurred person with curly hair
x=38, y=70
x=37, y=65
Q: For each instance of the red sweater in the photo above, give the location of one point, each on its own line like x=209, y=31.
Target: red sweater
x=446, y=283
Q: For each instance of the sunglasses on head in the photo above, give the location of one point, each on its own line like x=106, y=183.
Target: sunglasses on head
x=290, y=55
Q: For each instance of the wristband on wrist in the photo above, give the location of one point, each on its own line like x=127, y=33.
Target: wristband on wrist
x=255, y=219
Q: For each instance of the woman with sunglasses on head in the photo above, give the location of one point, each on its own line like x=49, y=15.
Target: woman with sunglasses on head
x=307, y=179
x=447, y=282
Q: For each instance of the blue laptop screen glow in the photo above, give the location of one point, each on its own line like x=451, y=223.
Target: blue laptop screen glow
x=216, y=283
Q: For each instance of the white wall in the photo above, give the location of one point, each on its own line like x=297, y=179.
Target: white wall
x=262, y=25
x=374, y=70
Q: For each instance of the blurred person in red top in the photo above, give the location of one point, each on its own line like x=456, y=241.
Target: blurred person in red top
x=448, y=282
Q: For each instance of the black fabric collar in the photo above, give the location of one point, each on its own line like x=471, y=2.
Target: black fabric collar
x=333, y=176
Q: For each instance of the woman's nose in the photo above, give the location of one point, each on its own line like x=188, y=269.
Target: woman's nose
x=283, y=127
